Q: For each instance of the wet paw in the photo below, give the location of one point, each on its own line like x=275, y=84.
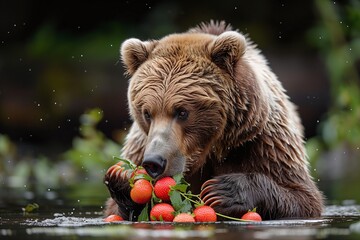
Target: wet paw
x=117, y=181
x=226, y=195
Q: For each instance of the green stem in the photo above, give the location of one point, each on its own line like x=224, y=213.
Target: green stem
x=186, y=197
x=232, y=218
x=195, y=196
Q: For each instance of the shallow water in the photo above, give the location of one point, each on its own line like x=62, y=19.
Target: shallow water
x=76, y=213
x=337, y=222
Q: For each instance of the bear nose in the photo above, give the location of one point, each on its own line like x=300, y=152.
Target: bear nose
x=154, y=165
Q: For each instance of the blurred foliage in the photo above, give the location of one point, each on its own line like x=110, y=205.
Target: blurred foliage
x=92, y=152
x=337, y=36
x=86, y=162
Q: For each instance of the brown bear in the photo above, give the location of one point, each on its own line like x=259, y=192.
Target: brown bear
x=206, y=104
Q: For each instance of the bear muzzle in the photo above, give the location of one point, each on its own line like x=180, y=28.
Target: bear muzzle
x=154, y=164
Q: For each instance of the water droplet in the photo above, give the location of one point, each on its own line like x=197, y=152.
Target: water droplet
x=81, y=55
x=111, y=45
x=78, y=200
x=29, y=69
x=14, y=24
x=317, y=121
x=314, y=169
x=41, y=119
x=49, y=189
x=235, y=8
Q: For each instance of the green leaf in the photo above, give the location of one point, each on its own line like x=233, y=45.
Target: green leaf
x=180, y=187
x=143, y=176
x=144, y=215
x=175, y=198
x=178, y=178
x=30, y=207
x=186, y=206
x=128, y=164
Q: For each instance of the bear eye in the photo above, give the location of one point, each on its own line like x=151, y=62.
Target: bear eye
x=181, y=114
x=147, y=115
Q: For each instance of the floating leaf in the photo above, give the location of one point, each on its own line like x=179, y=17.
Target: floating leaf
x=30, y=207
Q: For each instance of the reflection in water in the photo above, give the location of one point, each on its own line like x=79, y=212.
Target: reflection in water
x=338, y=221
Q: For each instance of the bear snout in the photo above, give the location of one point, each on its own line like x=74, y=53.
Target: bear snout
x=154, y=164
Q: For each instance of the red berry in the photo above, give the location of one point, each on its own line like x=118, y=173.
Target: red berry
x=252, y=216
x=138, y=171
x=162, y=211
x=141, y=171
x=141, y=192
x=205, y=214
x=113, y=218
x=162, y=188
x=184, y=217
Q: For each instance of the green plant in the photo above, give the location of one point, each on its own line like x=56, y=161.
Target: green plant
x=337, y=36
x=92, y=151
x=336, y=148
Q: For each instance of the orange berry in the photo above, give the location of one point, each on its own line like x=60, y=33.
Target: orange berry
x=113, y=218
x=205, y=214
x=184, y=217
x=141, y=192
x=252, y=216
x=162, y=211
x=162, y=188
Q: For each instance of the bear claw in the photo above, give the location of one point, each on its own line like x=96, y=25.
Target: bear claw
x=208, y=195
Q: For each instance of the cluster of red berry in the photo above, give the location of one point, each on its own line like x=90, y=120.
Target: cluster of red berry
x=168, y=199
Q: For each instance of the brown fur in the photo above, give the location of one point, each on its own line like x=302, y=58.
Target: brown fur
x=242, y=132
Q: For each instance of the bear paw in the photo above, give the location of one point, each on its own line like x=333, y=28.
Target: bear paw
x=227, y=196
x=117, y=181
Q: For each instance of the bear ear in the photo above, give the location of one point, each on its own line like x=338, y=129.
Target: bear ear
x=226, y=49
x=134, y=52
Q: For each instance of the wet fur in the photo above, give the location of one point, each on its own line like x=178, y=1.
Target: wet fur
x=255, y=158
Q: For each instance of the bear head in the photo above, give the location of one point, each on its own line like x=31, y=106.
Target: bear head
x=188, y=93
